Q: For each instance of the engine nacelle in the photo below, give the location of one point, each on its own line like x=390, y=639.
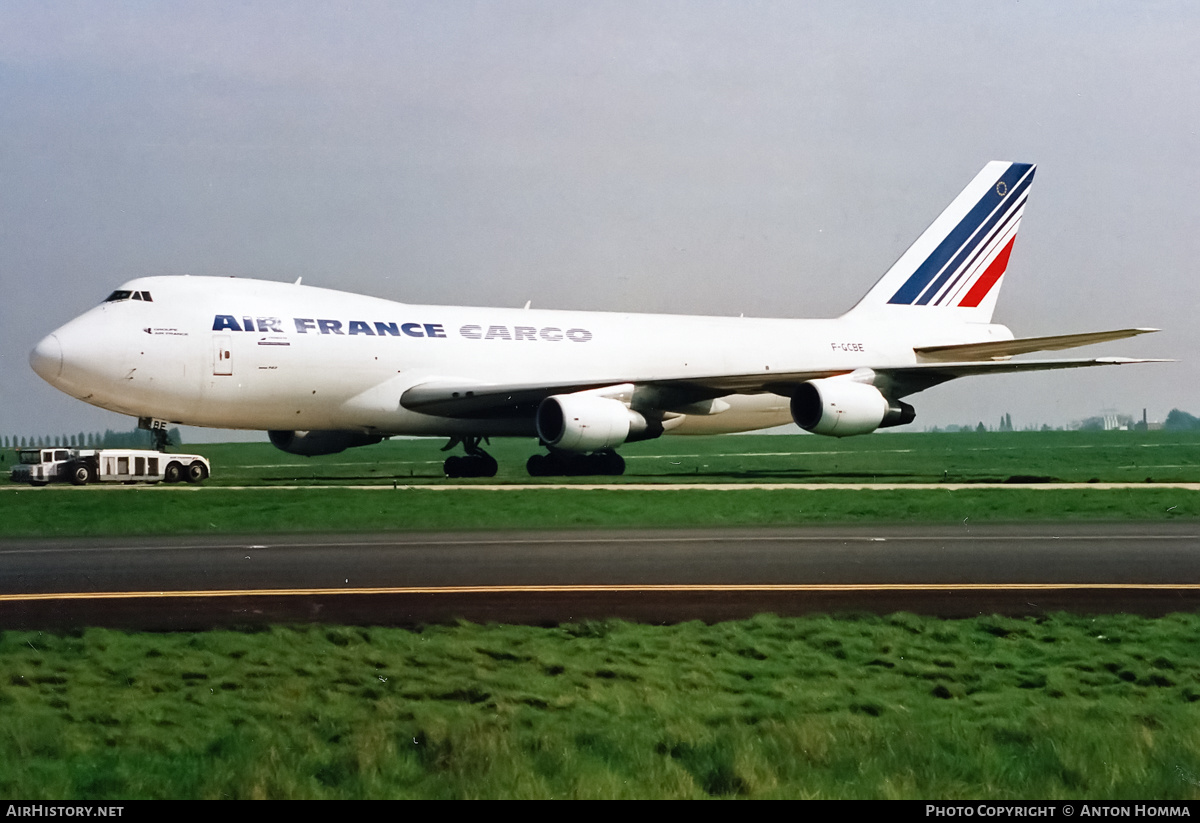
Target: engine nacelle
x=840, y=408
x=312, y=444
x=585, y=423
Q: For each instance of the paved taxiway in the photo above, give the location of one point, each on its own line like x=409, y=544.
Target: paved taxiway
x=190, y=582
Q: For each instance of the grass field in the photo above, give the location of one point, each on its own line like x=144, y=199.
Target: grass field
x=869, y=707
x=903, y=458
x=1062, y=706
x=413, y=467
x=1078, y=457
x=68, y=512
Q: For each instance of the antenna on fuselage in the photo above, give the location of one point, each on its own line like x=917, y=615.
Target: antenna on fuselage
x=298, y=279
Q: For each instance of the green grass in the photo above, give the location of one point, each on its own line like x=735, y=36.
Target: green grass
x=874, y=707
x=410, y=465
x=148, y=511
x=885, y=458
x=1156, y=456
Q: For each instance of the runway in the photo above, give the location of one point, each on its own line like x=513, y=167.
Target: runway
x=654, y=576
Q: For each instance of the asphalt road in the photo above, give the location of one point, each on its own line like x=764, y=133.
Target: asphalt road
x=655, y=576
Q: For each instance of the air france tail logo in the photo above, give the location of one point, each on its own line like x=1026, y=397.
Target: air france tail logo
x=380, y=328
x=972, y=257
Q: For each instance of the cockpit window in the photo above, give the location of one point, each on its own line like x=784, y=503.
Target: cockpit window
x=121, y=294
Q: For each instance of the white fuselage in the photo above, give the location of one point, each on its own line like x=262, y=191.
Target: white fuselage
x=248, y=354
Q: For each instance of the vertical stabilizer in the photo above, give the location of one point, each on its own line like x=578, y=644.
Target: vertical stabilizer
x=953, y=271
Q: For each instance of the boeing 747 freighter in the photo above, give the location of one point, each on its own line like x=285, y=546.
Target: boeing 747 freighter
x=323, y=370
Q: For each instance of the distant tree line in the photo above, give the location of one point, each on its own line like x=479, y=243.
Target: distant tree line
x=1181, y=421
x=108, y=439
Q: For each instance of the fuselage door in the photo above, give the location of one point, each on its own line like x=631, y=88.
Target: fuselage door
x=222, y=354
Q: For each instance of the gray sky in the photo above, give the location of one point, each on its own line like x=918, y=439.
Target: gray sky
x=683, y=157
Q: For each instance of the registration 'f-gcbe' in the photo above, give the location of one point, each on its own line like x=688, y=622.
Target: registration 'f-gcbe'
x=324, y=370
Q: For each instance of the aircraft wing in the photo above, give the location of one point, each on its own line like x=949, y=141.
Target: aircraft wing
x=997, y=349
x=466, y=398
x=476, y=399
x=901, y=381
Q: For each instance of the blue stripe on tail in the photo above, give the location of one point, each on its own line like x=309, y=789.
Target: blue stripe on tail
x=968, y=230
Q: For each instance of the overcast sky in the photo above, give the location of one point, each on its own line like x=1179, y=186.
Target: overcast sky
x=692, y=157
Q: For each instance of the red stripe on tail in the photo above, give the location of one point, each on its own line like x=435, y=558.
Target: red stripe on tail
x=984, y=284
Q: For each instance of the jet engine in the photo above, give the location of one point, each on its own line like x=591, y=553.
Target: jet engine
x=840, y=408
x=312, y=444
x=585, y=422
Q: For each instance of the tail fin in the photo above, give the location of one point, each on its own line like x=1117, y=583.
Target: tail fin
x=953, y=271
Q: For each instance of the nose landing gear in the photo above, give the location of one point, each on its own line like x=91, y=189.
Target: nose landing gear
x=476, y=462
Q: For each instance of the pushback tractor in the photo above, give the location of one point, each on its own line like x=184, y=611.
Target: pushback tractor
x=82, y=466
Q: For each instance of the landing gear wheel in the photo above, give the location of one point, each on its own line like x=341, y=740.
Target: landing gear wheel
x=536, y=465
x=547, y=465
x=560, y=464
x=608, y=462
x=479, y=464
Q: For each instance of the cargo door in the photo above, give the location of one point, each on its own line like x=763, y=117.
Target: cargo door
x=222, y=354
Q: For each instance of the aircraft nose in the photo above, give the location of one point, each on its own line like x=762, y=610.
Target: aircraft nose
x=46, y=358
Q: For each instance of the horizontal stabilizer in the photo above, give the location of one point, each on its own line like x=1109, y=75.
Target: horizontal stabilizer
x=999, y=349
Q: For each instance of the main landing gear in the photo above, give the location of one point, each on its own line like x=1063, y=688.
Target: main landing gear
x=476, y=463
x=560, y=463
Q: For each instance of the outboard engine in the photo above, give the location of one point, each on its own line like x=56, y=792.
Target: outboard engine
x=840, y=408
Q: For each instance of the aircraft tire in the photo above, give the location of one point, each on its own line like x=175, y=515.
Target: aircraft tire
x=485, y=465
x=559, y=464
x=609, y=463
x=481, y=464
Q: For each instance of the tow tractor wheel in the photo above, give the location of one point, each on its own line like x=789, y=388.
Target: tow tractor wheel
x=196, y=472
x=80, y=475
x=173, y=473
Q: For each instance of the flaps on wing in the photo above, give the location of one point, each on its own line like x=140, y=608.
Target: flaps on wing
x=998, y=349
